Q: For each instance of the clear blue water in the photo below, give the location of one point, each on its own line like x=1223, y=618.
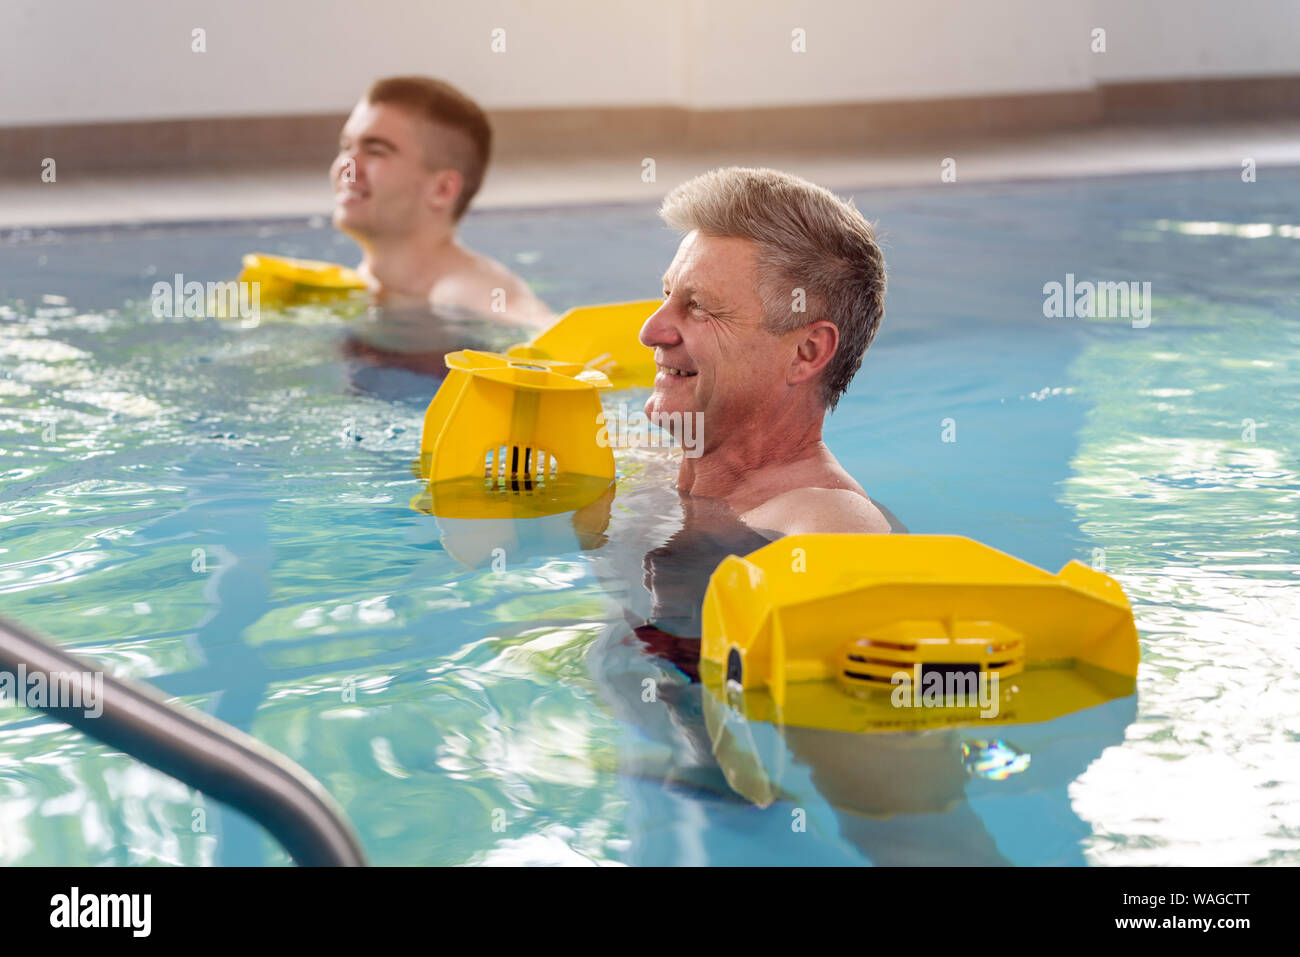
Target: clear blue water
x=465, y=715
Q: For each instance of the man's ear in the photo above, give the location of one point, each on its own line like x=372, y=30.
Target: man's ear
x=815, y=344
x=445, y=189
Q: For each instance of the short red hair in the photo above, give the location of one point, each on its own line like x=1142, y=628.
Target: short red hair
x=468, y=148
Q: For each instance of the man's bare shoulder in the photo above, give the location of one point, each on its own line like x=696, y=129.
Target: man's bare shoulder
x=812, y=510
x=487, y=287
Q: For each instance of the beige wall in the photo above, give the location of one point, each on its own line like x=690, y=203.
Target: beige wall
x=70, y=61
x=1184, y=39
x=890, y=50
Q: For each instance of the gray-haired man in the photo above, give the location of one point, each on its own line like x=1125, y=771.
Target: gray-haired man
x=774, y=295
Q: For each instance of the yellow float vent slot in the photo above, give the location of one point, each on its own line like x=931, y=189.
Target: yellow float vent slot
x=517, y=468
x=916, y=650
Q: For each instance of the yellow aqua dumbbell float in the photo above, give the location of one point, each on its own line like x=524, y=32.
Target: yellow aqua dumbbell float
x=903, y=632
x=285, y=281
x=513, y=438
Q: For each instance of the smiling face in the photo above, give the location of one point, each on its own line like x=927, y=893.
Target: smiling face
x=713, y=354
x=383, y=185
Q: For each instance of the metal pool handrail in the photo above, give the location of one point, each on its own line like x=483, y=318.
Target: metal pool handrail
x=200, y=751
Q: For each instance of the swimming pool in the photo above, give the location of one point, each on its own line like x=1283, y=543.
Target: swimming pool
x=223, y=511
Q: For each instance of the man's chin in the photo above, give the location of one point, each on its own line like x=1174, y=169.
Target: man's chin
x=347, y=221
x=659, y=405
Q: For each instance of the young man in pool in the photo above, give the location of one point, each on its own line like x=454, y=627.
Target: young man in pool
x=774, y=295
x=411, y=157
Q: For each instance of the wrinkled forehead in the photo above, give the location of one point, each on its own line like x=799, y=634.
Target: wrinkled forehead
x=721, y=266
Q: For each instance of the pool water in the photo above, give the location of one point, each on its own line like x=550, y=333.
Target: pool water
x=223, y=511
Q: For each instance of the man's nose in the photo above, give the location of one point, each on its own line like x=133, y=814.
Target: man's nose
x=660, y=329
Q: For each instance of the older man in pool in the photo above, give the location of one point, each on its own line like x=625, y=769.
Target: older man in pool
x=774, y=295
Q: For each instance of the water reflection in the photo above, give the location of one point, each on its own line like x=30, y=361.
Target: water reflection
x=416, y=340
